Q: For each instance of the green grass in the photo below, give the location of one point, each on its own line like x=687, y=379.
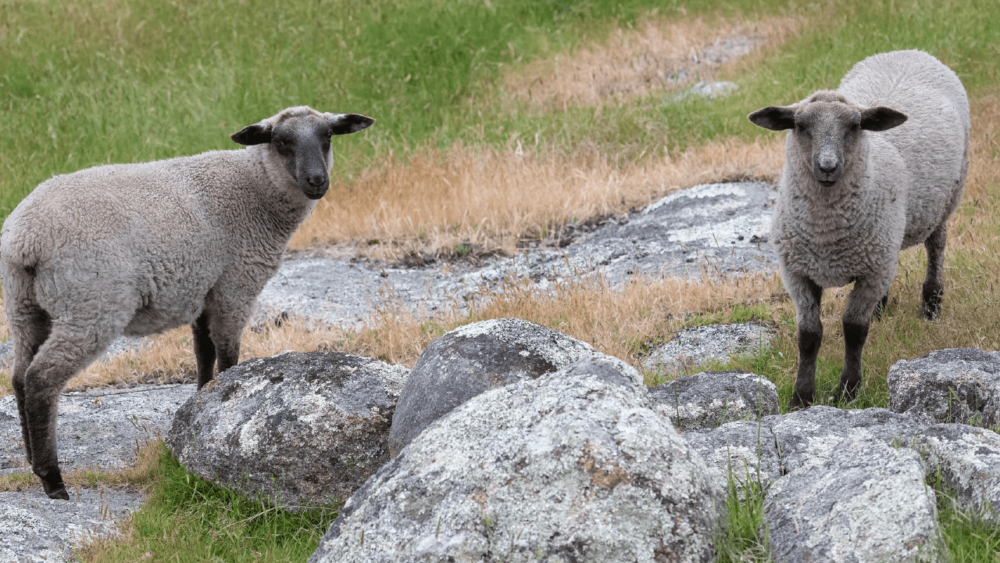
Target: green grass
x=190, y=519
x=969, y=537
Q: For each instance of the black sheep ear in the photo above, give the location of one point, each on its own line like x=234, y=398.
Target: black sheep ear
x=346, y=123
x=881, y=118
x=775, y=118
x=256, y=134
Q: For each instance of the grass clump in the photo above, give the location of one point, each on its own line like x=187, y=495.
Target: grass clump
x=969, y=536
x=190, y=519
x=745, y=535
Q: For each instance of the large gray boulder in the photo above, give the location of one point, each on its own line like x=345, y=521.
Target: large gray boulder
x=473, y=358
x=572, y=466
x=711, y=398
x=865, y=501
x=951, y=385
x=298, y=429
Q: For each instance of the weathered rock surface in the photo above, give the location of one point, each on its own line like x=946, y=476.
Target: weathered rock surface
x=951, y=385
x=97, y=429
x=714, y=228
x=34, y=527
x=573, y=466
x=119, y=346
x=968, y=461
x=865, y=501
x=6, y=355
x=697, y=345
x=471, y=359
x=712, y=398
x=298, y=429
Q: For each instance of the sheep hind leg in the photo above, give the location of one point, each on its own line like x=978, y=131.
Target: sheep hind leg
x=62, y=356
x=933, y=288
x=30, y=330
x=806, y=295
x=204, y=349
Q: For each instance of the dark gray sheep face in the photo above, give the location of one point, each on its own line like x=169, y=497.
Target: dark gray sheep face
x=826, y=130
x=300, y=137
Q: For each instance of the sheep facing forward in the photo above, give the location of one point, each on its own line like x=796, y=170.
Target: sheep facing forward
x=873, y=167
x=137, y=249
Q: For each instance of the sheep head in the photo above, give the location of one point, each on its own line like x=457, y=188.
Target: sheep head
x=826, y=129
x=299, y=137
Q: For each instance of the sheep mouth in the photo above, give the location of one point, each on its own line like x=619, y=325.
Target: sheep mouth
x=827, y=183
x=315, y=195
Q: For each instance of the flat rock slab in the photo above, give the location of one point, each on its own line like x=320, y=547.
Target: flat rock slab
x=951, y=385
x=97, y=429
x=710, y=399
x=712, y=228
x=867, y=501
x=695, y=346
x=34, y=527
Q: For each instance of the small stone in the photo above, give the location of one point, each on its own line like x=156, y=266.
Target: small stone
x=695, y=346
x=709, y=399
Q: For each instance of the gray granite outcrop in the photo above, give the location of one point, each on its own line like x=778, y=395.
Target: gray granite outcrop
x=951, y=385
x=572, y=466
x=296, y=429
x=473, y=358
x=709, y=399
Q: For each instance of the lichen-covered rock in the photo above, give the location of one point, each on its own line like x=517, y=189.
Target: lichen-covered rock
x=951, y=385
x=967, y=459
x=34, y=527
x=99, y=428
x=471, y=359
x=779, y=444
x=572, y=466
x=864, y=501
x=299, y=429
x=694, y=346
x=712, y=398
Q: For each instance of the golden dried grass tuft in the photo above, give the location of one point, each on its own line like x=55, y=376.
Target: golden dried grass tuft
x=657, y=55
x=139, y=475
x=495, y=198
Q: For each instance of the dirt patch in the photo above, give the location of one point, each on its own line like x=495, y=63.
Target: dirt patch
x=488, y=200
x=655, y=56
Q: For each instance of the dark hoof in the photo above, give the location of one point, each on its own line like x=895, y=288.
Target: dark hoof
x=930, y=312
x=59, y=494
x=53, y=483
x=797, y=403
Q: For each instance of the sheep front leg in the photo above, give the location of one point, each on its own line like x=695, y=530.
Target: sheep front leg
x=861, y=304
x=806, y=295
x=933, y=288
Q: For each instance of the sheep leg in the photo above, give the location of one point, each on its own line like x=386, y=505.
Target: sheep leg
x=63, y=355
x=806, y=295
x=933, y=289
x=204, y=349
x=861, y=303
x=30, y=330
x=226, y=319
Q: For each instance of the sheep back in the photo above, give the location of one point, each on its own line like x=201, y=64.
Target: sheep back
x=933, y=143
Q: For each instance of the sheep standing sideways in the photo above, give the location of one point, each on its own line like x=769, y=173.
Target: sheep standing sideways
x=873, y=167
x=137, y=249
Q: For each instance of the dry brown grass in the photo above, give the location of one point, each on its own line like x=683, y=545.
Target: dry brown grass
x=616, y=322
x=139, y=475
x=657, y=55
x=495, y=198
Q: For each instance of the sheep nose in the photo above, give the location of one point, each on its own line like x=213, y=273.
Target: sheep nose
x=316, y=180
x=827, y=167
